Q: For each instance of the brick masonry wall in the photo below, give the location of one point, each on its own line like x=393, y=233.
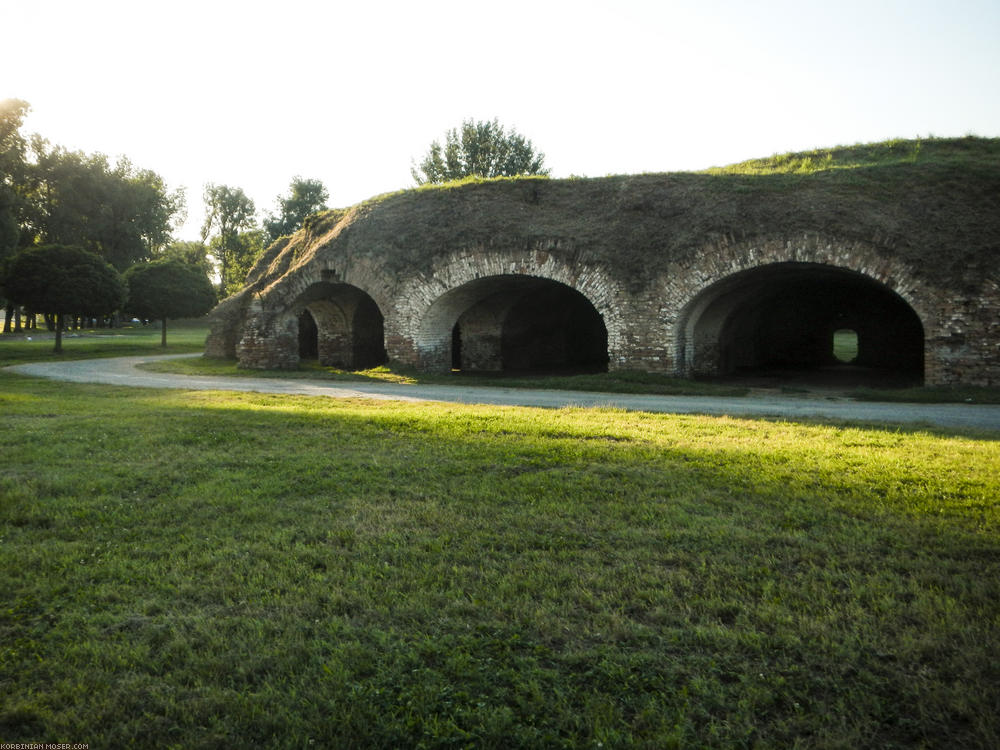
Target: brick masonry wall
x=647, y=319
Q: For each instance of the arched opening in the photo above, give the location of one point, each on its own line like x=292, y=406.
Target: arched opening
x=514, y=324
x=845, y=345
x=341, y=326
x=784, y=321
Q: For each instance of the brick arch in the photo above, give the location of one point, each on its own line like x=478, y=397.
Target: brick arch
x=431, y=305
x=349, y=321
x=723, y=277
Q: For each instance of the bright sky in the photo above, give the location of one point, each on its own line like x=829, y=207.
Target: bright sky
x=251, y=94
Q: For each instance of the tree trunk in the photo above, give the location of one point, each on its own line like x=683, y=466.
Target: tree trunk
x=163, y=335
x=9, y=314
x=59, y=327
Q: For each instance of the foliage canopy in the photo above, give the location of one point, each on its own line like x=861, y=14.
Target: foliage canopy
x=168, y=289
x=12, y=169
x=229, y=212
x=64, y=279
x=305, y=197
x=118, y=211
x=480, y=149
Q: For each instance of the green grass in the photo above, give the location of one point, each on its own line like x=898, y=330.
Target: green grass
x=188, y=570
x=182, y=337
x=968, y=151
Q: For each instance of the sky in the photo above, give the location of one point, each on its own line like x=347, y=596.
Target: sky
x=251, y=95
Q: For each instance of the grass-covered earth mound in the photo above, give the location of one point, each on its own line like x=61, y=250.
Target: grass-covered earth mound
x=934, y=203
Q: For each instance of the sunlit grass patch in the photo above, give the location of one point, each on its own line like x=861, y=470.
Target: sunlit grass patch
x=36, y=346
x=250, y=568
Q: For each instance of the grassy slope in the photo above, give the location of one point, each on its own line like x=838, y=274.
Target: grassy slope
x=935, y=202
x=190, y=569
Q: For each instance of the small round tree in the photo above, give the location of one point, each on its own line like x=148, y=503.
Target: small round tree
x=64, y=280
x=168, y=289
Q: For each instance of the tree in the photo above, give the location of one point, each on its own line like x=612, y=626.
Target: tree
x=192, y=253
x=12, y=168
x=12, y=171
x=63, y=279
x=249, y=246
x=305, y=197
x=229, y=211
x=481, y=149
x=168, y=289
x=122, y=213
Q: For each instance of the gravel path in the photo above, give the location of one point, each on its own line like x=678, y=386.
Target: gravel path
x=122, y=371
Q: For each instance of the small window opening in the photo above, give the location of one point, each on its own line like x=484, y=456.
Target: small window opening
x=845, y=345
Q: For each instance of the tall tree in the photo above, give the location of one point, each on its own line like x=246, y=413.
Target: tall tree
x=249, y=246
x=64, y=280
x=12, y=175
x=228, y=212
x=305, y=197
x=168, y=289
x=12, y=171
x=118, y=211
x=480, y=149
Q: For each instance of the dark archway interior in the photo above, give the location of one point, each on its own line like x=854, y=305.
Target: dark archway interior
x=341, y=326
x=784, y=320
x=308, y=336
x=368, y=334
x=456, y=347
x=523, y=324
x=554, y=328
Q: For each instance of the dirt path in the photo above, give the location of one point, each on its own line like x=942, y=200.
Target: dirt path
x=123, y=371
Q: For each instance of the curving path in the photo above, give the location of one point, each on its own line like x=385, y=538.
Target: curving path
x=123, y=371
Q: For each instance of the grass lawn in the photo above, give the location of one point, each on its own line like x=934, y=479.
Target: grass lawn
x=187, y=569
x=36, y=346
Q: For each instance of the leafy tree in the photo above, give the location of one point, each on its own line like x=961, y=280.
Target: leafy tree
x=12, y=171
x=229, y=212
x=12, y=168
x=63, y=279
x=481, y=149
x=305, y=197
x=192, y=253
x=249, y=246
x=122, y=213
x=168, y=289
